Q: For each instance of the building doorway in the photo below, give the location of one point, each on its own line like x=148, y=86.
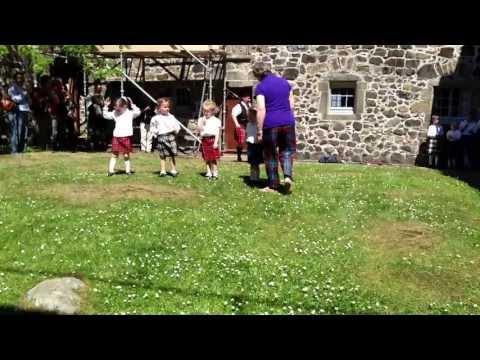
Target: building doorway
x=233, y=98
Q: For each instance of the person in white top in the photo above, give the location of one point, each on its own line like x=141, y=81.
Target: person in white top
x=434, y=136
x=240, y=114
x=209, y=127
x=165, y=127
x=454, y=136
x=254, y=147
x=18, y=116
x=123, y=114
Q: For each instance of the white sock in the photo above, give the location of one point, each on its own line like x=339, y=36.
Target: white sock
x=127, y=166
x=111, y=165
x=209, y=173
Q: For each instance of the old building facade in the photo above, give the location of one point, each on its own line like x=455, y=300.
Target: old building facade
x=357, y=102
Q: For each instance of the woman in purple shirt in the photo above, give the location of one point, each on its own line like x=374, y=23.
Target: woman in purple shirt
x=276, y=125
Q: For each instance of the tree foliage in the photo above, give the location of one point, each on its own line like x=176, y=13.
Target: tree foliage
x=36, y=59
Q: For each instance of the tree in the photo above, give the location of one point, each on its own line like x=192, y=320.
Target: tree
x=35, y=60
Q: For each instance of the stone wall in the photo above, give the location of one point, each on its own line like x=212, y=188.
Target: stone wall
x=398, y=81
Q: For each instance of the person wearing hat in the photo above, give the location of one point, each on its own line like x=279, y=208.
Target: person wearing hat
x=240, y=114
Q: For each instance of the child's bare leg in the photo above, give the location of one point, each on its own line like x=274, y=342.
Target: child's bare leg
x=126, y=158
x=173, y=164
x=214, y=167
x=111, y=165
x=209, y=170
x=162, y=166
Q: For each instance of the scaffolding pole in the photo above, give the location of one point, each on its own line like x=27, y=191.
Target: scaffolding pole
x=123, y=72
x=207, y=69
x=224, y=110
x=210, y=87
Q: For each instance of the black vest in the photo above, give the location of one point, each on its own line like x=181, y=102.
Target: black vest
x=242, y=118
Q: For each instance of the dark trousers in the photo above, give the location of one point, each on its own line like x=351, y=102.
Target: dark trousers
x=279, y=144
x=18, y=130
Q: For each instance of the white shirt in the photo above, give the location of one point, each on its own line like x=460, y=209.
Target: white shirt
x=237, y=109
x=211, y=126
x=164, y=124
x=454, y=135
x=434, y=131
x=20, y=96
x=123, y=122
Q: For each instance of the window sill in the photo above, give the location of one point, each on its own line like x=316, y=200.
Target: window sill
x=341, y=117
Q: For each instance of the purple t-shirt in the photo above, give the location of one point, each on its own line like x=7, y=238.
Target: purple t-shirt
x=276, y=91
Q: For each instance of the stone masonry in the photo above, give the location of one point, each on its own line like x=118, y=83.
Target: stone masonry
x=398, y=85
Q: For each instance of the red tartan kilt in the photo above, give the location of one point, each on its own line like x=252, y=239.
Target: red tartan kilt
x=122, y=145
x=208, y=152
x=240, y=135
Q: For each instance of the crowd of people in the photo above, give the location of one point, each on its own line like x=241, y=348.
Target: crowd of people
x=48, y=110
x=456, y=146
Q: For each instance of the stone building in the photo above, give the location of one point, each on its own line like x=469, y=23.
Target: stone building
x=357, y=102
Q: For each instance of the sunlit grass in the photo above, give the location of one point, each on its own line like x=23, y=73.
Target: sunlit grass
x=351, y=239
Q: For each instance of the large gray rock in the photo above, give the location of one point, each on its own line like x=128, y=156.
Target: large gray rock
x=61, y=295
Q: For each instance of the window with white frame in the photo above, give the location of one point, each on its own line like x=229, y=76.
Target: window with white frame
x=342, y=98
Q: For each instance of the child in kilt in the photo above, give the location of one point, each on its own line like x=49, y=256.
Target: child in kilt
x=209, y=128
x=254, y=148
x=435, y=137
x=165, y=127
x=123, y=114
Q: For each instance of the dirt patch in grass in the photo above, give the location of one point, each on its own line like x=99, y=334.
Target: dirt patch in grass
x=96, y=193
x=391, y=271
x=401, y=237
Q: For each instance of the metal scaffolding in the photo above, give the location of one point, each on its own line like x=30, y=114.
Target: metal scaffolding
x=212, y=58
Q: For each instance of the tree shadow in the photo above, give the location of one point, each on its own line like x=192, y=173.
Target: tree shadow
x=11, y=310
x=471, y=177
x=239, y=299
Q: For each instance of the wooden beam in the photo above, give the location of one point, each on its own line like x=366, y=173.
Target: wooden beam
x=157, y=63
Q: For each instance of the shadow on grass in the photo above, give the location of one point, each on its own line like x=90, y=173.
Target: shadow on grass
x=11, y=310
x=239, y=299
x=260, y=184
x=122, y=172
x=471, y=177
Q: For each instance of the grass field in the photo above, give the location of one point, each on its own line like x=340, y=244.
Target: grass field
x=351, y=239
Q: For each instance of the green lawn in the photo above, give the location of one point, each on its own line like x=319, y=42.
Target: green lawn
x=351, y=239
